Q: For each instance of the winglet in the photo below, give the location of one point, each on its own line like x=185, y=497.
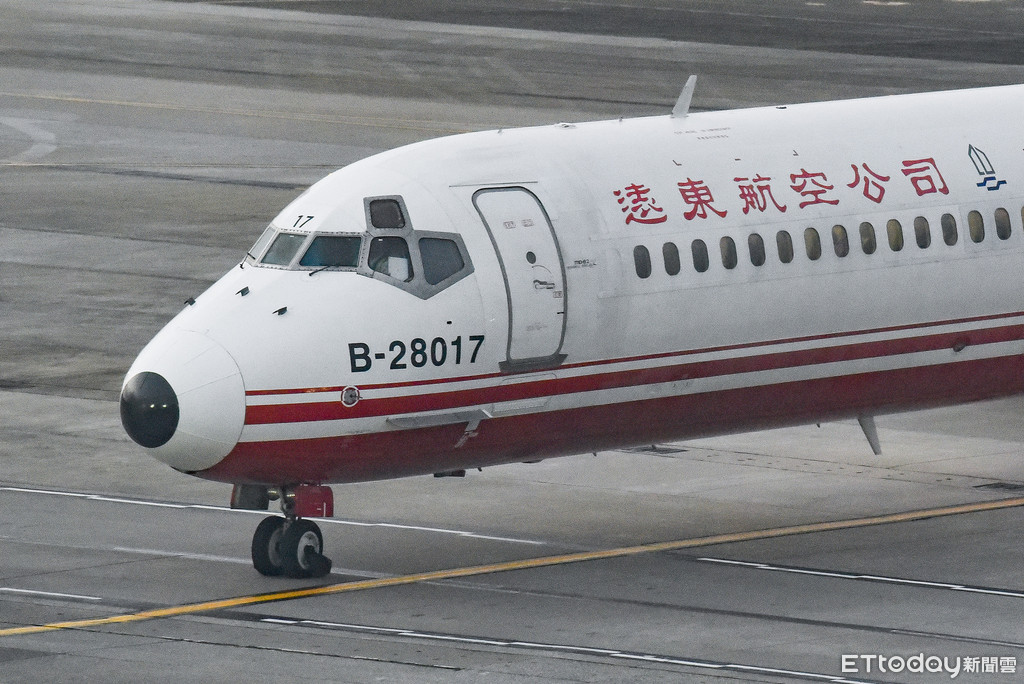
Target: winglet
x=682, y=107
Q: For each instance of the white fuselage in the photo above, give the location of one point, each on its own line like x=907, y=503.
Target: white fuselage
x=520, y=294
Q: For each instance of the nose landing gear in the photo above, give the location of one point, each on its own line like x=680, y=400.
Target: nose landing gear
x=291, y=546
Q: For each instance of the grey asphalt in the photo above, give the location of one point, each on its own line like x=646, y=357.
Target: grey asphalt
x=144, y=146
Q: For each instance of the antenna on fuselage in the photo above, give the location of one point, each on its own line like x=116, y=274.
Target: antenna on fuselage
x=867, y=424
x=682, y=107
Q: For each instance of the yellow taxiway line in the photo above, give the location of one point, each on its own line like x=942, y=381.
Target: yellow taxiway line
x=525, y=564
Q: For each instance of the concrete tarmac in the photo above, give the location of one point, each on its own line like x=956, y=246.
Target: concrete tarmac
x=144, y=146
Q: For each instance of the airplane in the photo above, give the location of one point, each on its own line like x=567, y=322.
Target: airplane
x=520, y=294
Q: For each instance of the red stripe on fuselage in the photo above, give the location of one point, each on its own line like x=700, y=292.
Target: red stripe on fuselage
x=433, y=401
x=401, y=453
x=662, y=355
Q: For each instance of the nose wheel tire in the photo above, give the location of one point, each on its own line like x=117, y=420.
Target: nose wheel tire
x=293, y=549
x=266, y=554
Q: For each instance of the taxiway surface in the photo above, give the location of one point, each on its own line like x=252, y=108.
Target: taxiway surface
x=144, y=146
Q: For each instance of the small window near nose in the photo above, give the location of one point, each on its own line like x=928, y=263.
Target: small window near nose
x=386, y=214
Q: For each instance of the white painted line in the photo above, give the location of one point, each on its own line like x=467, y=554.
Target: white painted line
x=237, y=560
x=461, y=640
x=225, y=509
x=40, y=491
x=460, y=533
x=993, y=592
x=361, y=628
x=565, y=648
x=51, y=594
x=866, y=578
x=43, y=141
x=900, y=580
x=134, y=502
x=682, y=661
x=179, y=554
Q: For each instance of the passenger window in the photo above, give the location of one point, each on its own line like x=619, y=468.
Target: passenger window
x=728, y=247
x=949, y=232
x=339, y=251
x=867, y=238
x=812, y=242
x=840, y=240
x=283, y=249
x=386, y=213
x=785, y=245
x=976, y=226
x=1003, y=224
x=895, y=233
x=642, y=261
x=756, y=246
x=922, y=233
x=701, y=261
x=670, y=253
x=441, y=259
x=390, y=256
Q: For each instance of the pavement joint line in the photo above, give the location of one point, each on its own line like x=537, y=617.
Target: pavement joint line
x=524, y=564
x=437, y=127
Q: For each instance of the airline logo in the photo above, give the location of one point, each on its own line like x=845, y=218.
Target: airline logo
x=762, y=193
x=984, y=168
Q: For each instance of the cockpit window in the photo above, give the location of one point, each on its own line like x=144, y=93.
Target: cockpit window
x=441, y=259
x=283, y=249
x=387, y=214
x=332, y=251
x=390, y=256
x=391, y=250
x=261, y=244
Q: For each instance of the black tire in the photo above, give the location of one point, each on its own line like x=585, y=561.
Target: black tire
x=266, y=546
x=301, y=549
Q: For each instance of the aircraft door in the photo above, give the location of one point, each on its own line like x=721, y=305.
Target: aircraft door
x=531, y=265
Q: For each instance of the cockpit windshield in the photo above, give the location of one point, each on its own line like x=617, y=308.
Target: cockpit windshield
x=333, y=251
x=391, y=250
x=390, y=256
x=257, y=250
x=441, y=259
x=283, y=249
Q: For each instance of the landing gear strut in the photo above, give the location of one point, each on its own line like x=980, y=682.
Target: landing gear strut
x=291, y=546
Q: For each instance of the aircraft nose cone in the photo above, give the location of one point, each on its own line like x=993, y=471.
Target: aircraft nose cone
x=184, y=400
x=149, y=410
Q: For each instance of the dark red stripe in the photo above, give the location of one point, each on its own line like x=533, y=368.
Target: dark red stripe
x=334, y=410
x=401, y=453
x=662, y=355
